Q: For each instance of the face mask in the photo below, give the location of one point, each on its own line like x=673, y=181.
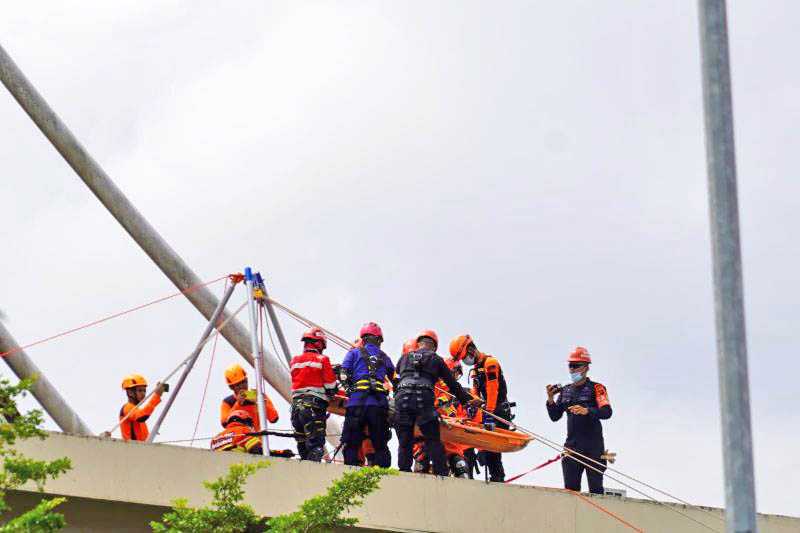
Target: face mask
x=469, y=360
x=576, y=376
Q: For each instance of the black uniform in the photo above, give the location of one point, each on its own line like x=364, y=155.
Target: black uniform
x=584, y=432
x=417, y=374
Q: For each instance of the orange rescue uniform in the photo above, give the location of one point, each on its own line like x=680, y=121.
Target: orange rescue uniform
x=135, y=425
x=231, y=403
x=234, y=438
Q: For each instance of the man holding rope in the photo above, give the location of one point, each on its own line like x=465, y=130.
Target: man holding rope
x=586, y=404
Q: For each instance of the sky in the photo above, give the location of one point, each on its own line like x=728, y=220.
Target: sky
x=530, y=173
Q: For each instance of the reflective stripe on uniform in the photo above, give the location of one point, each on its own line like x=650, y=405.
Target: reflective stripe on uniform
x=305, y=364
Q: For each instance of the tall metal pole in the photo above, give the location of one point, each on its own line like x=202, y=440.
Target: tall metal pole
x=212, y=323
x=131, y=220
x=252, y=306
x=274, y=319
x=44, y=392
x=734, y=389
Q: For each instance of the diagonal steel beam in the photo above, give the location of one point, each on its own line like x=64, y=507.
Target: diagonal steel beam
x=44, y=391
x=144, y=234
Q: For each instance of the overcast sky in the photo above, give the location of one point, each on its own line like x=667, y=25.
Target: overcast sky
x=530, y=173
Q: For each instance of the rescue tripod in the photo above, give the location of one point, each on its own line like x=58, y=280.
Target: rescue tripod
x=256, y=298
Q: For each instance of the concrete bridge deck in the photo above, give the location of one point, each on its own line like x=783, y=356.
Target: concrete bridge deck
x=120, y=486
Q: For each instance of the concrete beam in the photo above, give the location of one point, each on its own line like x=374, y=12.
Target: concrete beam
x=407, y=502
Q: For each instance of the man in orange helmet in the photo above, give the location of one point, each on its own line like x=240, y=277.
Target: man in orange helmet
x=236, y=435
x=488, y=383
x=586, y=404
x=418, y=372
x=243, y=398
x=313, y=384
x=133, y=419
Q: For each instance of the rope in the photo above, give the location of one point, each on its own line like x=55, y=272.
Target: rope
x=604, y=510
x=336, y=339
x=535, y=468
x=208, y=376
x=123, y=419
x=272, y=342
x=109, y=317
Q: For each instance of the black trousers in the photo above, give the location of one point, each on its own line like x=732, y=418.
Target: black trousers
x=494, y=464
x=408, y=415
x=375, y=420
x=573, y=470
x=308, y=421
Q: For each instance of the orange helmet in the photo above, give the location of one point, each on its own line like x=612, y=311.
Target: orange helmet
x=235, y=374
x=430, y=334
x=459, y=345
x=409, y=346
x=241, y=416
x=313, y=335
x=580, y=355
x=133, y=380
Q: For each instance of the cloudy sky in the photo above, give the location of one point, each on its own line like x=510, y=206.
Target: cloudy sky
x=532, y=174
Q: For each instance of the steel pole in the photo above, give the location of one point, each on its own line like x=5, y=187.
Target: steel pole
x=737, y=441
x=274, y=319
x=44, y=392
x=131, y=220
x=252, y=307
x=213, y=321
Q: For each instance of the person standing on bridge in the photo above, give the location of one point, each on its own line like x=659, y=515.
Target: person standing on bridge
x=417, y=374
x=313, y=384
x=366, y=369
x=243, y=398
x=586, y=404
x=133, y=419
x=489, y=383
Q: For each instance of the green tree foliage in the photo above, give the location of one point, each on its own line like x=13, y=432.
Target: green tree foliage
x=227, y=513
x=18, y=469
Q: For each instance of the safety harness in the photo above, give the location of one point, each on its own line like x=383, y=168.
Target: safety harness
x=371, y=383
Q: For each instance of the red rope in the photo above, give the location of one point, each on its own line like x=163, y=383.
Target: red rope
x=604, y=510
x=535, y=468
x=109, y=317
x=208, y=376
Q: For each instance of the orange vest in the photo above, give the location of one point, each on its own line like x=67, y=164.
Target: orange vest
x=135, y=427
x=234, y=438
x=231, y=403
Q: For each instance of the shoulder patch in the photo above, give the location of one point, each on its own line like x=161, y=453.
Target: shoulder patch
x=601, y=395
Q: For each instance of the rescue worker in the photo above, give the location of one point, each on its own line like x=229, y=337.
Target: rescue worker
x=418, y=371
x=243, y=398
x=236, y=435
x=133, y=420
x=489, y=384
x=313, y=384
x=586, y=404
x=365, y=370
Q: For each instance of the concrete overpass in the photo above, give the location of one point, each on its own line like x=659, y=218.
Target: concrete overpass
x=121, y=486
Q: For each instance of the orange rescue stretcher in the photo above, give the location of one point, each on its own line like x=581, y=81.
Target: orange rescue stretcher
x=462, y=431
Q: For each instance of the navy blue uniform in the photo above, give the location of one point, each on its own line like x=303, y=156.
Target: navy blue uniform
x=584, y=432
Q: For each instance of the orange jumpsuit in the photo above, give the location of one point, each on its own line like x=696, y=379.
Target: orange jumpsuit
x=135, y=425
x=231, y=403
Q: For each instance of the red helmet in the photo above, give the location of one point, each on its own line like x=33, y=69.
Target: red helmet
x=241, y=416
x=580, y=355
x=314, y=335
x=371, y=328
x=459, y=345
x=409, y=346
x=430, y=334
